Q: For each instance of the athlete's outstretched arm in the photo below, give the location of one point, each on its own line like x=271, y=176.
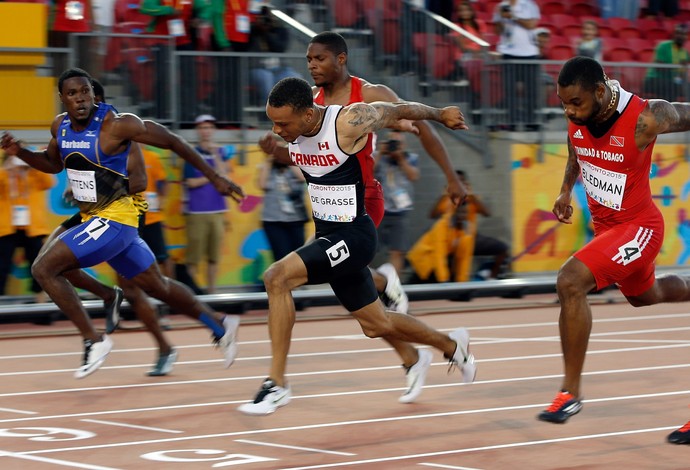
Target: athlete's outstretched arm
x=358, y=120
x=47, y=161
x=131, y=127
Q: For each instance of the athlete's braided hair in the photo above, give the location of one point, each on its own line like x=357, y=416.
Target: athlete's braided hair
x=583, y=71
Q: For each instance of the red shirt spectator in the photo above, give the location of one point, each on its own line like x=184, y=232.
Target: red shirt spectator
x=170, y=18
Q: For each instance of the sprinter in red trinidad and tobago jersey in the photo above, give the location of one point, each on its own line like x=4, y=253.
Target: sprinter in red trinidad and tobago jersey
x=611, y=136
x=326, y=143
x=327, y=63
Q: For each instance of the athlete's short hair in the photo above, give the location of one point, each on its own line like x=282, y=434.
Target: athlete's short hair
x=98, y=90
x=583, y=71
x=293, y=92
x=71, y=73
x=334, y=42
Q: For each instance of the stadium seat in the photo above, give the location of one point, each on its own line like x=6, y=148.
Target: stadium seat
x=443, y=52
x=584, y=8
x=559, y=21
x=345, y=14
x=560, y=52
x=620, y=54
x=551, y=7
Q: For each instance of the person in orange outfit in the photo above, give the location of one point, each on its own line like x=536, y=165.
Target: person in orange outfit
x=23, y=189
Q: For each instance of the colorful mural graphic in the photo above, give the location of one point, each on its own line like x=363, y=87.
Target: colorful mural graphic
x=542, y=244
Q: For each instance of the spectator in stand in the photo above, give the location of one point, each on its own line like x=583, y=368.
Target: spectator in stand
x=629, y=9
x=668, y=84
x=515, y=21
x=284, y=212
x=206, y=208
x=208, y=26
x=69, y=16
x=152, y=230
x=667, y=8
x=269, y=35
x=542, y=36
x=238, y=24
x=467, y=20
x=397, y=169
x=170, y=18
x=589, y=44
x=22, y=223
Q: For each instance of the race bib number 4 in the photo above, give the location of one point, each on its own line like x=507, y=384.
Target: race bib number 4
x=83, y=184
x=604, y=186
x=333, y=203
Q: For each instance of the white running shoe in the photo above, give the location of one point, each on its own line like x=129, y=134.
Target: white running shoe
x=394, y=296
x=462, y=357
x=228, y=342
x=270, y=398
x=164, y=365
x=94, y=356
x=416, y=375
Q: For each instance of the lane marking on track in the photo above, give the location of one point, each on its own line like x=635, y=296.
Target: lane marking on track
x=361, y=336
x=309, y=449
x=64, y=463
x=485, y=448
x=392, y=419
x=319, y=373
x=438, y=465
x=21, y=412
x=134, y=426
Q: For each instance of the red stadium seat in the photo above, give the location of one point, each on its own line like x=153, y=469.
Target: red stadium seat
x=550, y=7
x=560, y=52
x=584, y=8
x=441, y=48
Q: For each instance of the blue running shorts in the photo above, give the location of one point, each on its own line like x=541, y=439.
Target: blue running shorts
x=101, y=240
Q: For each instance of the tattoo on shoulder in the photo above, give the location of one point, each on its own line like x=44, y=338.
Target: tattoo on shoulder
x=359, y=116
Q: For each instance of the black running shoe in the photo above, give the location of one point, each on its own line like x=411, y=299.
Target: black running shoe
x=680, y=436
x=112, y=311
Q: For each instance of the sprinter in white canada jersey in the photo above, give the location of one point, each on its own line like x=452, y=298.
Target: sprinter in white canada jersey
x=325, y=142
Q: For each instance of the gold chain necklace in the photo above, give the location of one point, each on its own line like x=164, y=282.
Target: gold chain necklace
x=612, y=103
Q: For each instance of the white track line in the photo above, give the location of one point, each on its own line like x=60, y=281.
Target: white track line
x=65, y=463
x=133, y=426
x=21, y=412
x=308, y=449
x=438, y=465
x=392, y=419
x=479, y=449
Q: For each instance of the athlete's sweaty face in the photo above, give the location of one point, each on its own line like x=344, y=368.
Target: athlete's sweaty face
x=324, y=66
x=580, y=105
x=77, y=97
x=287, y=123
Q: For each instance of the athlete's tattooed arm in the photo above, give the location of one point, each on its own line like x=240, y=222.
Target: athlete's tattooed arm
x=360, y=119
x=661, y=117
x=562, y=208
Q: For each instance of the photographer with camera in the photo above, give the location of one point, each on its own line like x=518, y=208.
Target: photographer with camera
x=396, y=169
x=515, y=21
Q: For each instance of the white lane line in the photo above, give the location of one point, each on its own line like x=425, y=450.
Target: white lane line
x=21, y=412
x=357, y=370
x=475, y=342
x=480, y=449
x=336, y=424
x=308, y=449
x=53, y=461
x=438, y=465
x=134, y=426
x=627, y=319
